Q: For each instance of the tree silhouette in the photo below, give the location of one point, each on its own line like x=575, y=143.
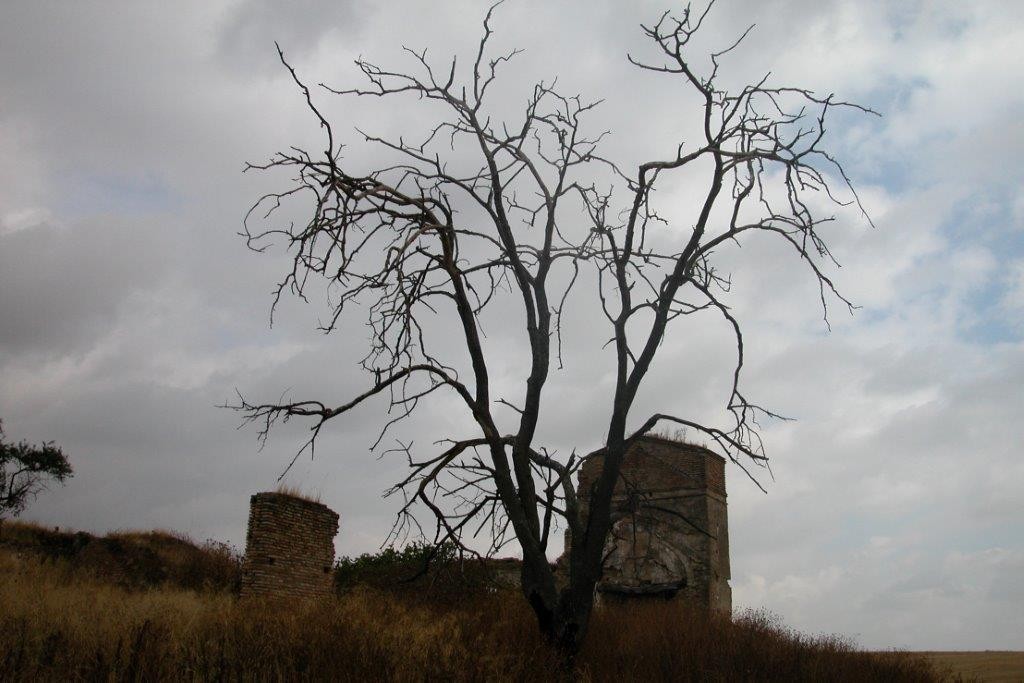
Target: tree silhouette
x=537, y=211
x=25, y=470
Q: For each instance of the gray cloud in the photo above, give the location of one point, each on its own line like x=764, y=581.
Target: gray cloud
x=249, y=30
x=62, y=288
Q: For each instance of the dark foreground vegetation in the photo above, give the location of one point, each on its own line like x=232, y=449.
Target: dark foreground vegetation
x=61, y=619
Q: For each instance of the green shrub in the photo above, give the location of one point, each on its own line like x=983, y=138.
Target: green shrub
x=419, y=569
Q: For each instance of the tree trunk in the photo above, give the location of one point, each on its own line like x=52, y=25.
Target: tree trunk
x=564, y=621
x=573, y=620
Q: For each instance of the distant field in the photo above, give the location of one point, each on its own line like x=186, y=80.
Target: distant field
x=990, y=665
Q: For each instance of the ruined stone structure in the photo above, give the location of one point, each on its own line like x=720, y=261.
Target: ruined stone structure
x=670, y=533
x=289, y=547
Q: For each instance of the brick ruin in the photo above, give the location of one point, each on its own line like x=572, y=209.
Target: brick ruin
x=670, y=533
x=289, y=547
x=669, y=537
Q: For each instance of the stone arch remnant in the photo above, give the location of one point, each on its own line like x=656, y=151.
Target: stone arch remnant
x=289, y=547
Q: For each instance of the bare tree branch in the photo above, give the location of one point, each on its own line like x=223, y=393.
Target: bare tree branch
x=476, y=208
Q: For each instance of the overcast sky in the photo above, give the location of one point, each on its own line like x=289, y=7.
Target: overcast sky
x=130, y=308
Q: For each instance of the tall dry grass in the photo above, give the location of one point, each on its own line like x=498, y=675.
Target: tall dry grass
x=56, y=624
x=296, y=492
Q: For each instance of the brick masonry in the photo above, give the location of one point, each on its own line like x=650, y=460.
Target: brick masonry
x=670, y=534
x=289, y=547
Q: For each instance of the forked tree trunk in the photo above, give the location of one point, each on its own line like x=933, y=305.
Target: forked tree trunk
x=563, y=615
x=564, y=625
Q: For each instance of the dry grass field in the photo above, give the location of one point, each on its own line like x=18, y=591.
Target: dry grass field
x=61, y=618
x=990, y=665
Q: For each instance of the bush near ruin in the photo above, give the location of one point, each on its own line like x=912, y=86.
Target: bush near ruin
x=422, y=572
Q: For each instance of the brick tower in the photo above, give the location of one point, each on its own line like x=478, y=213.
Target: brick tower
x=289, y=547
x=670, y=530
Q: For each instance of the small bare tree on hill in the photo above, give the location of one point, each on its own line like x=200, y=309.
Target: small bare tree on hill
x=403, y=241
x=25, y=471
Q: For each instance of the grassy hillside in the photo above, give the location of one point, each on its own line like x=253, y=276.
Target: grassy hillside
x=130, y=559
x=60, y=619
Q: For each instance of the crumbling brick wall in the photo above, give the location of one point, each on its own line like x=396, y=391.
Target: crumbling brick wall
x=289, y=547
x=670, y=533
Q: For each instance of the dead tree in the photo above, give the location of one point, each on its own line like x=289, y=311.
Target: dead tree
x=424, y=234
